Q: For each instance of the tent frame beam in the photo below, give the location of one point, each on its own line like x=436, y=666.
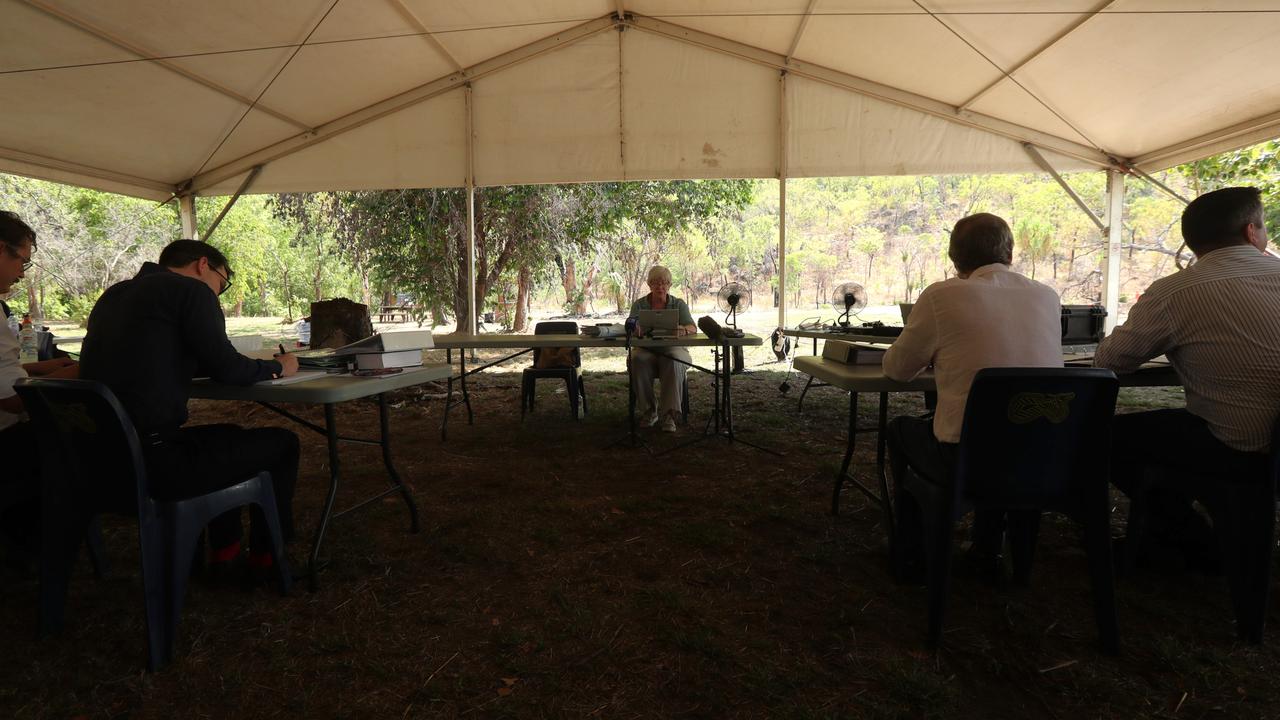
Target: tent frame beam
x=1044, y=165
x=1227, y=139
x=1156, y=183
x=152, y=57
x=57, y=165
x=804, y=25
x=248, y=180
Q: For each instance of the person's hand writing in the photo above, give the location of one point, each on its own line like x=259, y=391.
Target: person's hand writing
x=288, y=364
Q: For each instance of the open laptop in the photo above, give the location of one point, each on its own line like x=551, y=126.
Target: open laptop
x=659, y=323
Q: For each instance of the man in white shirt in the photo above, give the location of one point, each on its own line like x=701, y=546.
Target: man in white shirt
x=986, y=316
x=1218, y=322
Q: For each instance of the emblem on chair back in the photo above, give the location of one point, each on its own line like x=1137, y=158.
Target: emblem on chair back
x=1027, y=407
x=73, y=417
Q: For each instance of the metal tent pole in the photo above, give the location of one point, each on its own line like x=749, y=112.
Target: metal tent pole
x=472, y=306
x=1115, y=231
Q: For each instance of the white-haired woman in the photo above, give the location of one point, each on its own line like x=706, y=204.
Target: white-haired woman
x=646, y=365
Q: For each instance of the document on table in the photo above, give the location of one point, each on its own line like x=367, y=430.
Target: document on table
x=300, y=376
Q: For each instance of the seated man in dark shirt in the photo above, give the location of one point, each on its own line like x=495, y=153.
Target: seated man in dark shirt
x=147, y=338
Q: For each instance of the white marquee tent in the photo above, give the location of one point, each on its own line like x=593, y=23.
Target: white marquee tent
x=183, y=98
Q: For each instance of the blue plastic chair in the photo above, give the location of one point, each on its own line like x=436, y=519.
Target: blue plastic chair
x=1033, y=439
x=95, y=464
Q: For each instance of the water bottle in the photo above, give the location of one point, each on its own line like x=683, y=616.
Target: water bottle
x=304, y=333
x=28, y=349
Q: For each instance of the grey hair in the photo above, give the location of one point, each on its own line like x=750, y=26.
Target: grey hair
x=658, y=272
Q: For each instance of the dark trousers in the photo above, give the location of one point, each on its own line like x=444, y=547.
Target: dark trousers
x=20, y=485
x=1172, y=459
x=911, y=443
x=196, y=460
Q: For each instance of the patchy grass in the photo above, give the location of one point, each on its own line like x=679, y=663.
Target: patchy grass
x=557, y=578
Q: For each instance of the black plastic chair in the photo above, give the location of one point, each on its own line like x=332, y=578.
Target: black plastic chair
x=571, y=374
x=1033, y=439
x=95, y=465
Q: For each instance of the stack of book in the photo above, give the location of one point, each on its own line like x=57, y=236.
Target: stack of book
x=387, y=350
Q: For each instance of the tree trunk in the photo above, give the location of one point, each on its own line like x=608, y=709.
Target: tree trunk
x=580, y=300
x=238, y=310
x=33, y=303
x=317, y=279
x=523, y=280
x=569, y=279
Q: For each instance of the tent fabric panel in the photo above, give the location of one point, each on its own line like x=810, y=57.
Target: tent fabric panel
x=255, y=130
x=837, y=132
x=421, y=146
x=246, y=73
x=133, y=119
x=352, y=75
x=30, y=39
x=695, y=113
x=1164, y=93
x=1012, y=103
x=766, y=24
x=476, y=31
x=1007, y=39
x=550, y=119
x=175, y=27
x=912, y=52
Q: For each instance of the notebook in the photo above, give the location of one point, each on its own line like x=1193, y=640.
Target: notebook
x=659, y=323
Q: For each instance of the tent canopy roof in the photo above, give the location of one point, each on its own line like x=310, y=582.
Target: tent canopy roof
x=157, y=97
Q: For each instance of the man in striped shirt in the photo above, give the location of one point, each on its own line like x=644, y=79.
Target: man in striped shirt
x=1218, y=322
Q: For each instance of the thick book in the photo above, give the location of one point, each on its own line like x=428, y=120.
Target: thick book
x=399, y=359
x=389, y=342
x=852, y=353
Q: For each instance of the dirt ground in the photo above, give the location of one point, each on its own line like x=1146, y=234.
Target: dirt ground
x=557, y=575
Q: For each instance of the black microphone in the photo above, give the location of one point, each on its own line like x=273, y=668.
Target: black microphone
x=710, y=327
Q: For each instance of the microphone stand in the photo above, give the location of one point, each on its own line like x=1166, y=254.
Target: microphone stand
x=632, y=436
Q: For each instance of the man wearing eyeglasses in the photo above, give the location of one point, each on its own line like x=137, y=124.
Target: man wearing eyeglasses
x=147, y=338
x=17, y=441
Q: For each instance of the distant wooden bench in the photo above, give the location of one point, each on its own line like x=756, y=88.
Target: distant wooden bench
x=388, y=313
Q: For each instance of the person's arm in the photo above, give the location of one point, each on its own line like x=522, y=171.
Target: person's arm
x=204, y=330
x=48, y=368
x=687, y=326
x=1145, y=334
x=912, y=352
